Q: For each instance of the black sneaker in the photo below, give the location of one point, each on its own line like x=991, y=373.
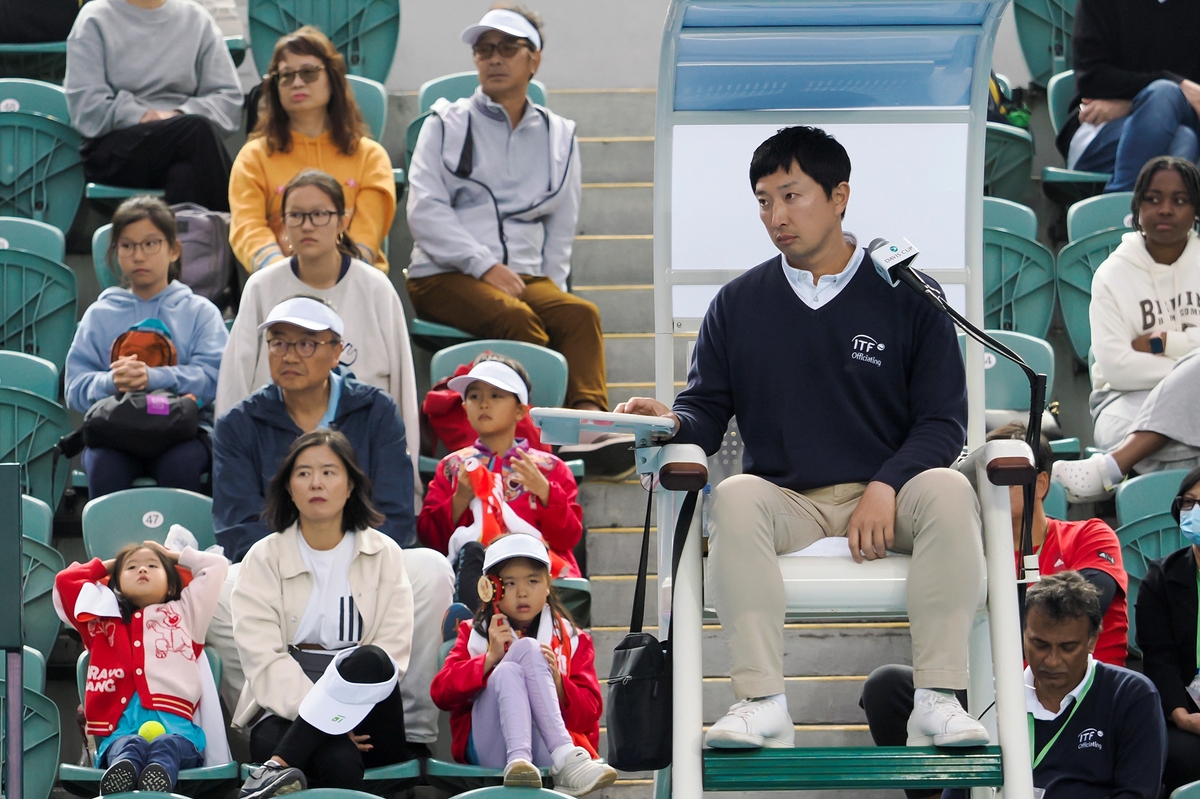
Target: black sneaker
x=155, y=778
x=120, y=777
x=272, y=779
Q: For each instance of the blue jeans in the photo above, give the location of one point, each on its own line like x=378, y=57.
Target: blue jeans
x=172, y=752
x=1161, y=123
x=110, y=470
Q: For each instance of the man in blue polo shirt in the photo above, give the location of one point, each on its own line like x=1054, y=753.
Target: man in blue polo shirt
x=851, y=400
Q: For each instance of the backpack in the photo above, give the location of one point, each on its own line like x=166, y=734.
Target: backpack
x=150, y=341
x=1006, y=110
x=209, y=267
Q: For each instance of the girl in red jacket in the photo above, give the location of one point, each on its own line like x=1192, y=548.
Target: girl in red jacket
x=523, y=677
x=144, y=632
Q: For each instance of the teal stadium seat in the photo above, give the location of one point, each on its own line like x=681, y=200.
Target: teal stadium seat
x=30, y=373
x=30, y=428
x=28, y=234
x=1077, y=263
x=365, y=32
x=1007, y=161
x=41, y=174
x=372, y=101
x=39, y=565
x=105, y=276
x=34, y=97
x=37, y=520
x=138, y=514
x=455, y=778
x=37, y=302
x=1002, y=214
x=1102, y=212
x=1044, y=28
x=1059, y=93
x=1066, y=186
x=33, y=666
x=1147, y=495
x=46, y=61
x=1018, y=283
x=500, y=792
x=1055, y=503
x=1142, y=541
x=576, y=596
x=41, y=736
x=1189, y=791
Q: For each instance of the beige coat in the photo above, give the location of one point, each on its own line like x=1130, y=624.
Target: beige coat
x=269, y=599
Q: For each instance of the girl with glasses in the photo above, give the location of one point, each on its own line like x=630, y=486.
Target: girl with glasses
x=308, y=119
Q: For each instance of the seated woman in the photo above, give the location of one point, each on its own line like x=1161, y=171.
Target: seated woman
x=324, y=265
x=310, y=121
x=1166, y=634
x=145, y=246
x=325, y=583
x=1145, y=321
x=152, y=88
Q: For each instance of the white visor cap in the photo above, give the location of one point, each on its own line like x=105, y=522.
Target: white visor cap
x=307, y=313
x=494, y=373
x=515, y=545
x=335, y=706
x=505, y=21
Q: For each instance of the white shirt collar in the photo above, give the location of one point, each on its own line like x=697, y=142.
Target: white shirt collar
x=1034, y=707
x=820, y=293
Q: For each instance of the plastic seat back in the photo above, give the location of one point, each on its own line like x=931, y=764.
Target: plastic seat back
x=37, y=305
x=30, y=427
x=29, y=372
x=1147, y=495
x=453, y=87
x=138, y=514
x=40, y=743
x=1007, y=161
x=37, y=520
x=1142, y=541
x=1059, y=92
x=34, y=97
x=547, y=369
x=502, y=792
x=1044, y=28
x=1005, y=385
x=1077, y=263
x=1055, y=503
x=372, y=101
x=39, y=565
x=1189, y=791
x=105, y=274
x=1003, y=214
x=33, y=666
x=1018, y=283
x=576, y=595
x=365, y=32
x=1102, y=212
x=41, y=174
x=29, y=234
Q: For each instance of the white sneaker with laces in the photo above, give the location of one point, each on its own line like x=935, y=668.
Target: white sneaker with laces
x=520, y=773
x=750, y=724
x=580, y=774
x=939, y=720
x=1087, y=480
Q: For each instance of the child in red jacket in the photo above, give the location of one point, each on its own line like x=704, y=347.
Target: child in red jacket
x=529, y=491
x=523, y=676
x=144, y=632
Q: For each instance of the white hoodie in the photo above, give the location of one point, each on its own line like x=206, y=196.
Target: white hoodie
x=1132, y=296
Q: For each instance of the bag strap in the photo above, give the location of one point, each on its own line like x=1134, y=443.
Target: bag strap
x=639, y=592
x=686, y=511
x=682, y=526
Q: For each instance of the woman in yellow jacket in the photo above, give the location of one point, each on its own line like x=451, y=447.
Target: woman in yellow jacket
x=310, y=121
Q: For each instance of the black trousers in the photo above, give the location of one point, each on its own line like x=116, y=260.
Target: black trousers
x=1183, y=759
x=183, y=155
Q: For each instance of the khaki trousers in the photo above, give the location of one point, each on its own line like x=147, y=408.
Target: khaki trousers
x=752, y=521
x=543, y=315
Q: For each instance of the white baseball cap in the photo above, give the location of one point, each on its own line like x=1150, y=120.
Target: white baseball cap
x=505, y=21
x=305, y=312
x=494, y=373
x=515, y=545
x=335, y=705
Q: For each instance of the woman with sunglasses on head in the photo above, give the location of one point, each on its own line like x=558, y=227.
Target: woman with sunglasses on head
x=324, y=264
x=309, y=120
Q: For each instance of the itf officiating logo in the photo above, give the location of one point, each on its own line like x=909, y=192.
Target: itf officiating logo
x=864, y=348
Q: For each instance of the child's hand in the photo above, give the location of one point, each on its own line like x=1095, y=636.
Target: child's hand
x=526, y=473
x=463, y=494
x=129, y=374
x=170, y=554
x=552, y=661
x=499, y=638
x=360, y=742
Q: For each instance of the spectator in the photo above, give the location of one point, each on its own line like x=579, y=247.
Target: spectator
x=252, y=440
x=494, y=189
x=325, y=582
x=1135, y=81
x=145, y=247
x=1166, y=634
x=310, y=120
x=1144, y=315
x=152, y=88
x=1089, y=547
x=837, y=443
x=324, y=265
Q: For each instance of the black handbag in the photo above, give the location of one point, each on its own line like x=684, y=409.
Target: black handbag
x=313, y=661
x=639, y=685
x=144, y=424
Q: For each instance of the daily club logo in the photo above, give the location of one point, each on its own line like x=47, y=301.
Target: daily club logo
x=863, y=346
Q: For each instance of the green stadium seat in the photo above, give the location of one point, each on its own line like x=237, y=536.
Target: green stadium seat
x=138, y=514
x=1059, y=93
x=28, y=234
x=30, y=428
x=105, y=275
x=1068, y=186
x=29, y=372
x=42, y=174
x=34, y=96
x=1044, y=28
x=237, y=49
x=851, y=768
x=39, y=565
x=454, y=87
x=434, y=336
x=372, y=101
x=1189, y=791
x=37, y=303
x=365, y=32
x=1142, y=541
x=37, y=520
x=108, y=197
x=1001, y=214
x=42, y=61
x=1147, y=495
x=1077, y=263
x=41, y=743
x=576, y=596
x=1102, y=212
x=33, y=666
x=1018, y=283
x=458, y=777
x=1055, y=503
x=383, y=779
x=547, y=369
x=1007, y=160
x=501, y=792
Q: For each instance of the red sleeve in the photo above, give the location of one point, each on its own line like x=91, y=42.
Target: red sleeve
x=70, y=581
x=434, y=525
x=461, y=677
x=582, y=705
x=1093, y=545
x=561, y=520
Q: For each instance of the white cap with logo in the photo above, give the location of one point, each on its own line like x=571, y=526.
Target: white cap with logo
x=494, y=373
x=334, y=705
x=305, y=312
x=505, y=21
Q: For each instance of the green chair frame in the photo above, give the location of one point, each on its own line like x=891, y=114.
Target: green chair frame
x=365, y=32
x=34, y=96
x=41, y=174
x=30, y=373
x=37, y=520
x=1102, y=212
x=33, y=667
x=42, y=737
x=1059, y=93
x=138, y=514
x=1044, y=28
x=30, y=428
x=1189, y=791
x=1142, y=541
x=576, y=595
x=40, y=563
x=1007, y=161
x=1005, y=385
x=371, y=97
x=1002, y=214
x=29, y=234
x=1055, y=503
x=456, y=778
x=42, y=61
x=1147, y=495
x=1018, y=283
x=105, y=276
x=37, y=305
x=501, y=792
x=547, y=369
x=1077, y=263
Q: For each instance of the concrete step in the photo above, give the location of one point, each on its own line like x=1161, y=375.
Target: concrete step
x=609, y=159
x=630, y=356
x=609, y=208
x=617, y=550
x=609, y=260
x=628, y=112
x=620, y=504
x=612, y=599
x=627, y=308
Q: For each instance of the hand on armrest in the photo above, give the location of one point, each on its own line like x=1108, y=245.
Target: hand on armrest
x=645, y=406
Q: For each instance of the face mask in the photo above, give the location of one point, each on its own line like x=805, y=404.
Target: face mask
x=1189, y=524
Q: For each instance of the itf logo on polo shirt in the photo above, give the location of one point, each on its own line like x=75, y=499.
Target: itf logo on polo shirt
x=863, y=348
x=1090, y=738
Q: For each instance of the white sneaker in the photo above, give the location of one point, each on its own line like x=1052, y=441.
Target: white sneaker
x=751, y=724
x=1087, y=480
x=939, y=720
x=580, y=774
x=520, y=773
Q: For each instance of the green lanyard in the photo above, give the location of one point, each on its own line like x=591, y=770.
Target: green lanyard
x=1038, y=756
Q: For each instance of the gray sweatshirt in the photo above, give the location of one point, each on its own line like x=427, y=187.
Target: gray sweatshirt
x=516, y=202
x=123, y=61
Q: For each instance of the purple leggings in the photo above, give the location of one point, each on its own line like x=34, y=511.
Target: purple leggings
x=520, y=701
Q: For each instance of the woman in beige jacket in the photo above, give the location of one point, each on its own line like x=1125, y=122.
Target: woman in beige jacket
x=327, y=582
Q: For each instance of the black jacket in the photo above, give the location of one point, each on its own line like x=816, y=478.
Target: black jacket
x=1166, y=627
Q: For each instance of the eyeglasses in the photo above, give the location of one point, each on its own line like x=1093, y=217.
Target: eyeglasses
x=305, y=347
x=318, y=218
x=307, y=74
x=508, y=48
x=126, y=249
x=1184, y=504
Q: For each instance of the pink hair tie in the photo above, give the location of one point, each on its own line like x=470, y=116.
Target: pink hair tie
x=279, y=189
x=351, y=183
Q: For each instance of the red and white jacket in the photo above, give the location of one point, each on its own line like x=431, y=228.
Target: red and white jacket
x=173, y=632
x=462, y=678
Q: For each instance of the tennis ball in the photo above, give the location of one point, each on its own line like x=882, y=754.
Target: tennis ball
x=151, y=730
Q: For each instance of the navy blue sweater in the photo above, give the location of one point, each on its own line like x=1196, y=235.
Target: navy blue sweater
x=870, y=386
